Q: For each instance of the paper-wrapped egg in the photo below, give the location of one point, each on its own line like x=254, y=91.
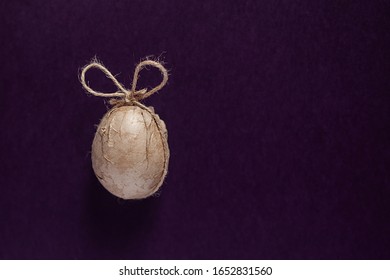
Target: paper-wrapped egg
x=130, y=152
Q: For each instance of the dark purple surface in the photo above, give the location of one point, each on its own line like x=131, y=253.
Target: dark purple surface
x=278, y=120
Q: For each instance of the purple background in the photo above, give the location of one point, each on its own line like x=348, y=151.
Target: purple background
x=278, y=121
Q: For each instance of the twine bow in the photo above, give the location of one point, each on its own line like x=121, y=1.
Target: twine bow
x=129, y=96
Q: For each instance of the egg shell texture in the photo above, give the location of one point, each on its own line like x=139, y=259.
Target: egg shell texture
x=130, y=152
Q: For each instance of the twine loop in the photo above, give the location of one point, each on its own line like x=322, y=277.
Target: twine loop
x=128, y=96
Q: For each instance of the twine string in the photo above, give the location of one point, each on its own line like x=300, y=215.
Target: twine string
x=131, y=96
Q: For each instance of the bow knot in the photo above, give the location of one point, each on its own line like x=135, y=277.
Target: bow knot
x=128, y=96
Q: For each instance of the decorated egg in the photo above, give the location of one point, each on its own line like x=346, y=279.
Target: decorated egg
x=130, y=152
x=130, y=149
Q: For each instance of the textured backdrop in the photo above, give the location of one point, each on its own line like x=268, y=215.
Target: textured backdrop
x=278, y=118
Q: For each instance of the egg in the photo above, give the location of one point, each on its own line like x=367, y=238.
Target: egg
x=130, y=152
